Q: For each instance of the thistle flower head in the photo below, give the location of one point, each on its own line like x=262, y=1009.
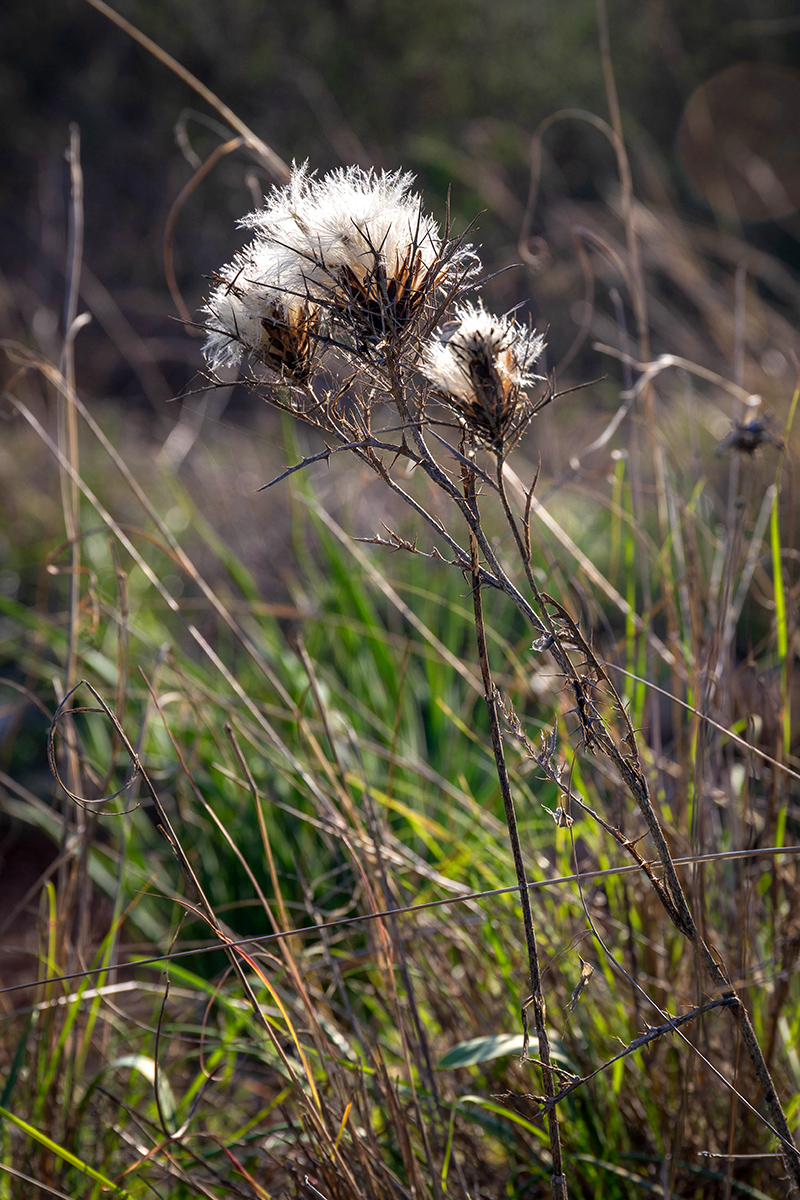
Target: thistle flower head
x=353, y=246
x=344, y=220
x=480, y=365
x=250, y=311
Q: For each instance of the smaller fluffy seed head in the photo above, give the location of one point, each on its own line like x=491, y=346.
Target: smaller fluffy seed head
x=247, y=314
x=480, y=365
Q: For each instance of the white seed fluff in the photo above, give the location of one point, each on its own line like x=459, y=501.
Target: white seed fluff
x=312, y=240
x=476, y=336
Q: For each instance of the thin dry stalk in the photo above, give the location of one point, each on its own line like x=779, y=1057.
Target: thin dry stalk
x=386, y=369
x=536, y=1001
x=271, y=160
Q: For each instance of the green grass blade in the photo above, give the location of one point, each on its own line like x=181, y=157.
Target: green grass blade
x=64, y=1154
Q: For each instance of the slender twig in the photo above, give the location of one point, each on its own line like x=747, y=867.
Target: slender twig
x=536, y=1001
x=644, y=1039
x=271, y=160
x=364, y=918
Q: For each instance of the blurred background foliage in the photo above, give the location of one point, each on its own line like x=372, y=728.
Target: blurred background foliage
x=452, y=91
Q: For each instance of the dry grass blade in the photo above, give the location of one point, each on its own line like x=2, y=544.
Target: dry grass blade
x=270, y=159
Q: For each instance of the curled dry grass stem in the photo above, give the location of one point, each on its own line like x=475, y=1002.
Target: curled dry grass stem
x=202, y=171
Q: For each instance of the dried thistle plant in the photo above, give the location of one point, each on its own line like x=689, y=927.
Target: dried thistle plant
x=349, y=265
x=349, y=259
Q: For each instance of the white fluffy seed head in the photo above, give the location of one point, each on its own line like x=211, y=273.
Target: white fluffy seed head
x=253, y=294
x=344, y=220
x=480, y=364
x=476, y=336
x=248, y=314
x=353, y=246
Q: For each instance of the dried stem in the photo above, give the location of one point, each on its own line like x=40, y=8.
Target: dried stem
x=669, y=890
x=536, y=1001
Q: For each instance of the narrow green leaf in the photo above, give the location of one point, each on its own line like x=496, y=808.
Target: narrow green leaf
x=65, y=1154
x=16, y=1064
x=777, y=580
x=483, y=1049
x=493, y=1107
x=147, y=1066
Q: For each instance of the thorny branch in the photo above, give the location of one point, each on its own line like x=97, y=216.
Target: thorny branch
x=379, y=305
x=546, y=1103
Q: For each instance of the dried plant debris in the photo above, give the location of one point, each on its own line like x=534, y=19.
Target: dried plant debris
x=587, y=971
x=747, y=436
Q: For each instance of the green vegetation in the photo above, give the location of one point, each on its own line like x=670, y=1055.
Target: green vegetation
x=273, y=943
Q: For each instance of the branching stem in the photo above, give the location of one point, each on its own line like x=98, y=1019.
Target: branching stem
x=537, y=1002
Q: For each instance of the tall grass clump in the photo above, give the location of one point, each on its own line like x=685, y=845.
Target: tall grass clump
x=276, y=945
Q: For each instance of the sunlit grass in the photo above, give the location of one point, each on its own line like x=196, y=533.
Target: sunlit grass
x=275, y=944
